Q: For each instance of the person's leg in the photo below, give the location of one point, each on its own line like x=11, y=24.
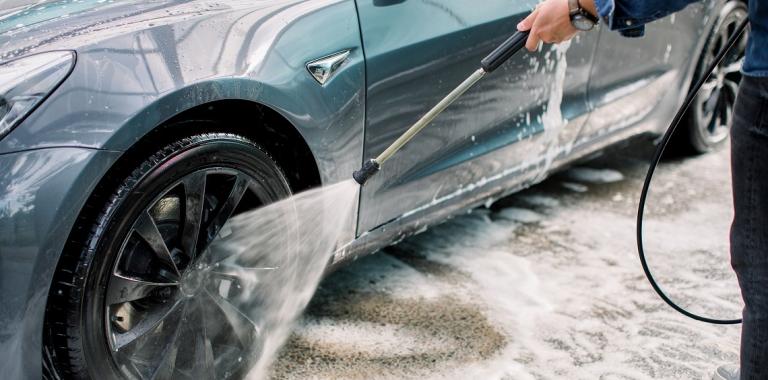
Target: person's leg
x=749, y=233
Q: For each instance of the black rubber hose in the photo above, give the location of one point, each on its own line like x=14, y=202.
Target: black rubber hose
x=655, y=162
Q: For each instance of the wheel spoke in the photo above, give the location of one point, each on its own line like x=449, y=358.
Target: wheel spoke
x=732, y=87
x=246, y=278
x=709, y=86
x=147, y=229
x=165, y=367
x=706, y=90
x=125, y=289
x=243, y=327
x=195, y=358
x=226, y=209
x=725, y=112
x=734, y=67
x=194, y=194
x=717, y=121
x=148, y=323
x=711, y=103
x=203, y=347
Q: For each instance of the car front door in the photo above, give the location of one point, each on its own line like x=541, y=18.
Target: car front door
x=417, y=51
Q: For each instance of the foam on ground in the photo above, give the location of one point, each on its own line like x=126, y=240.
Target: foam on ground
x=561, y=297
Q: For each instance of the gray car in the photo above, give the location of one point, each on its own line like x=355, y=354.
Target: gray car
x=131, y=131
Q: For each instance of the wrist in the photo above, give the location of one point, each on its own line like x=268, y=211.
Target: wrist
x=589, y=6
x=581, y=18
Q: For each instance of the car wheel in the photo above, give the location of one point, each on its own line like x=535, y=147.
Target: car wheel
x=143, y=297
x=708, y=121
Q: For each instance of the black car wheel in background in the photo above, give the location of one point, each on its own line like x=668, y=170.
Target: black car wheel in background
x=143, y=297
x=708, y=121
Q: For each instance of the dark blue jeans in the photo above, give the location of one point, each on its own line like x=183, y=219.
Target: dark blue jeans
x=749, y=232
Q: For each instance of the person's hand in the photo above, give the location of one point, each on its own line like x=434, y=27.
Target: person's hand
x=550, y=22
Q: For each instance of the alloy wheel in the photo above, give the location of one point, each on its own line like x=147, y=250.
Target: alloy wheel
x=173, y=305
x=713, y=107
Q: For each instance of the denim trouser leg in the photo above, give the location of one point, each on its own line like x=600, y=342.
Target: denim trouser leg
x=749, y=233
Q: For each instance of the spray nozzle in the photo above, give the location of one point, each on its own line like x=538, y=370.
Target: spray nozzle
x=369, y=169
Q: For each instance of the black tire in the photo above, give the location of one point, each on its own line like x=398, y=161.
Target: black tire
x=707, y=123
x=88, y=316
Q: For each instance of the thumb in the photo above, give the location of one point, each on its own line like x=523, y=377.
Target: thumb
x=527, y=23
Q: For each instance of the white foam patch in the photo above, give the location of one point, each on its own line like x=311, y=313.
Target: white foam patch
x=575, y=187
x=553, y=120
x=408, y=283
x=541, y=200
x=520, y=215
x=590, y=175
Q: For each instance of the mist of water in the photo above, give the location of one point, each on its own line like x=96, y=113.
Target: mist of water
x=278, y=255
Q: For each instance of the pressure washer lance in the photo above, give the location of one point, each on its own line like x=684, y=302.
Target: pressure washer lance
x=489, y=64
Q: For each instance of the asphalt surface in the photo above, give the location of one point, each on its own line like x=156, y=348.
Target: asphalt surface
x=544, y=284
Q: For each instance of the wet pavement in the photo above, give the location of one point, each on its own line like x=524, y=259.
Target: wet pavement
x=544, y=284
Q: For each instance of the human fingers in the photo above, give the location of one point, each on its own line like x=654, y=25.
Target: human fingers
x=533, y=39
x=527, y=23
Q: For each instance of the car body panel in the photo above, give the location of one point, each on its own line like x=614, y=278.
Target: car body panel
x=638, y=75
x=35, y=220
x=417, y=52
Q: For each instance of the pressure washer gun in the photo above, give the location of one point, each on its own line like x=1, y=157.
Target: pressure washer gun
x=489, y=64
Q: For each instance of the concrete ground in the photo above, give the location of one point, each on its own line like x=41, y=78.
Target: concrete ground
x=545, y=284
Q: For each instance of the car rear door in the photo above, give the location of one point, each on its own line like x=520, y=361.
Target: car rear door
x=419, y=50
x=632, y=77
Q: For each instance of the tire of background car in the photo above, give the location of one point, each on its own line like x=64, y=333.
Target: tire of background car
x=128, y=302
x=706, y=124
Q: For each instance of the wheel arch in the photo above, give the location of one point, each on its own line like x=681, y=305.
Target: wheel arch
x=256, y=121
x=265, y=126
x=235, y=105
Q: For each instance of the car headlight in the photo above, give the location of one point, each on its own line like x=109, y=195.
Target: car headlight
x=27, y=81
